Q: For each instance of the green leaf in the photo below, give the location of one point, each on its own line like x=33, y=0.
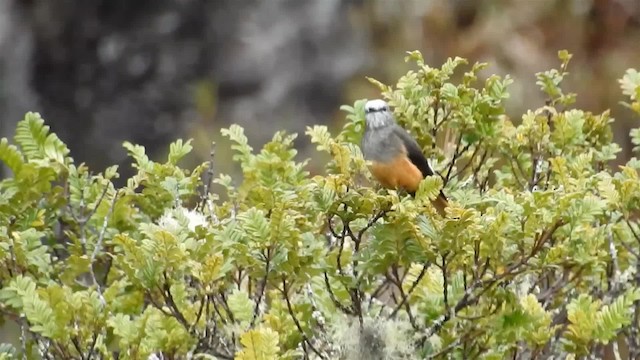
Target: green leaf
x=11, y=156
x=430, y=187
x=259, y=344
x=178, y=150
x=449, y=91
x=36, y=143
x=137, y=152
x=564, y=56
x=7, y=351
x=630, y=84
x=241, y=144
x=241, y=306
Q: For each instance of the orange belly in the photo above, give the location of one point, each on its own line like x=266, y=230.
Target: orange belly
x=399, y=173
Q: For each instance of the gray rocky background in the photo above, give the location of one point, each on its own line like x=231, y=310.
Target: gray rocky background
x=150, y=71
x=104, y=71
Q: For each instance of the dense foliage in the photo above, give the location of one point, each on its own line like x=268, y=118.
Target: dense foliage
x=538, y=255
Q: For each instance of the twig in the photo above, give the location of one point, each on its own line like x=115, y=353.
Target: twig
x=335, y=301
x=395, y=279
x=93, y=345
x=473, y=155
x=411, y=289
x=199, y=315
x=383, y=285
x=635, y=234
x=434, y=130
x=371, y=222
x=476, y=170
x=76, y=345
x=340, y=250
x=256, y=309
x=559, y=284
x=515, y=174
x=445, y=282
x=467, y=299
x=225, y=304
x=456, y=155
x=614, y=263
x=172, y=304
x=437, y=125
x=95, y=208
x=534, y=168
x=207, y=185
x=634, y=344
x=446, y=349
x=522, y=172
x=305, y=338
x=98, y=247
x=453, y=158
x=23, y=338
x=217, y=310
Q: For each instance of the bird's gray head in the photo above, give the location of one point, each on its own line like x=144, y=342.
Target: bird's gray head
x=378, y=114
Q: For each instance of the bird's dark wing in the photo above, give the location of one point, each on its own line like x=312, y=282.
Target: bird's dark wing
x=414, y=152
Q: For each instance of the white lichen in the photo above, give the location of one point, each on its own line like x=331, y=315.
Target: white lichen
x=377, y=339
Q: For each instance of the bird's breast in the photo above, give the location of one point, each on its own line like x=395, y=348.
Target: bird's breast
x=380, y=145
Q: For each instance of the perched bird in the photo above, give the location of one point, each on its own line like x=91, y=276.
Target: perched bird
x=397, y=160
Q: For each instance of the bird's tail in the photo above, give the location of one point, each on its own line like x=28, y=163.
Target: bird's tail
x=440, y=203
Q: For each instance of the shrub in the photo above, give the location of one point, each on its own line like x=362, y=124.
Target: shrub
x=538, y=255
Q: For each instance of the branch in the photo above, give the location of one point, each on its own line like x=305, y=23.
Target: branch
x=468, y=298
x=355, y=292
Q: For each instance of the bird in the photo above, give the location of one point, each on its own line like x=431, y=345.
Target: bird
x=396, y=159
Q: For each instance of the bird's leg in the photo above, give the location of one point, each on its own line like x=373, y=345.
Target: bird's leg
x=403, y=192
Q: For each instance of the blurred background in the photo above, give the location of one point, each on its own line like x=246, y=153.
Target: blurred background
x=151, y=71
